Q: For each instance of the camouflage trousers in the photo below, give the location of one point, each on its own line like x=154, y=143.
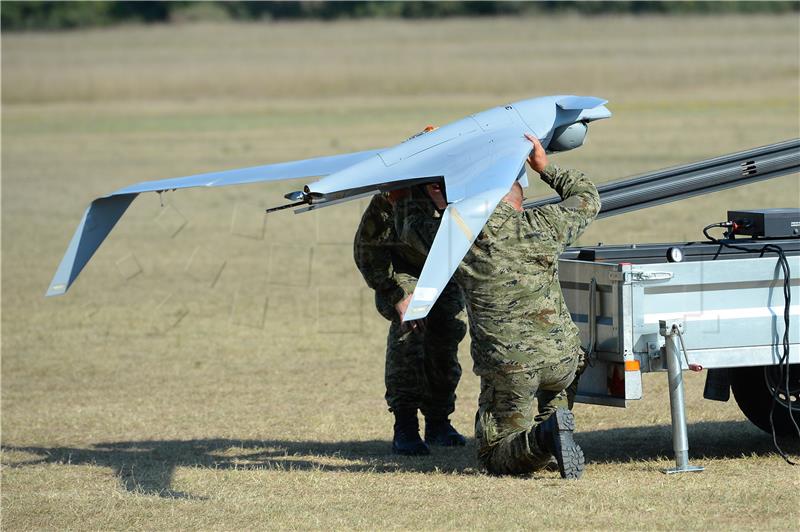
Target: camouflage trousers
x=506, y=417
x=422, y=369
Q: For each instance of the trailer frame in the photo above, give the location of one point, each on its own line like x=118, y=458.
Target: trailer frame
x=718, y=312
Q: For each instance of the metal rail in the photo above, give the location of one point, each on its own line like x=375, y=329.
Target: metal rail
x=703, y=177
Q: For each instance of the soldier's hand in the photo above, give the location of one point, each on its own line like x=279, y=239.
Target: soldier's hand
x=419, y=326
x=402, y=306
x=416, y=326
x=538, y=158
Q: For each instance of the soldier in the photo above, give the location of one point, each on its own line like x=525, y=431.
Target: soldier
x=422, y=369
x=524, y=343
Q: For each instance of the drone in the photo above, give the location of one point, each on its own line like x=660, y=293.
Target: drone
x=476, y=160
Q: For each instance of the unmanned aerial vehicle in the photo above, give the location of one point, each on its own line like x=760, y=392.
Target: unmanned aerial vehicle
x=476, y=159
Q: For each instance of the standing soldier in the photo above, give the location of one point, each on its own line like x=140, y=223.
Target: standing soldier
x=422, y=369
x=524, y=343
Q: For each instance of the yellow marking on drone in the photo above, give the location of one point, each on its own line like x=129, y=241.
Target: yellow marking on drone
x=461, y=223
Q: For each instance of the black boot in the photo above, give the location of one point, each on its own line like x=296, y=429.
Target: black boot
x=555, y=436
x=406, y=439
x=439, y=431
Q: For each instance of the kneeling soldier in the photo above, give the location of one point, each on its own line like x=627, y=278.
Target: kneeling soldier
x=524, y=343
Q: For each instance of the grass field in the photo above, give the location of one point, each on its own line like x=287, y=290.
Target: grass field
x=212, y=368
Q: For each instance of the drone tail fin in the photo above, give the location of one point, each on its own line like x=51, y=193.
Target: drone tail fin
x=97, y=222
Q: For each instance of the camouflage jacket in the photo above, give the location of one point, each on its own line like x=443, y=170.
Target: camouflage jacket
x=517, y=315
x=389, y=267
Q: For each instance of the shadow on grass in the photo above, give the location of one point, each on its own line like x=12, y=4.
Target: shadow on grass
x=147, y=467
x=707, y=439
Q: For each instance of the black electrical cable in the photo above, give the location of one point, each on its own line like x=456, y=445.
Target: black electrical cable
x=783, y=362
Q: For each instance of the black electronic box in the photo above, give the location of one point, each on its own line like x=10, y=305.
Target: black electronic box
x=766, y=223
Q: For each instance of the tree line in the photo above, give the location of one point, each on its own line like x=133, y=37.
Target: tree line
x=48, y=15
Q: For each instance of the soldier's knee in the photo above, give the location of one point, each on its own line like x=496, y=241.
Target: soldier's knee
x=498, y=463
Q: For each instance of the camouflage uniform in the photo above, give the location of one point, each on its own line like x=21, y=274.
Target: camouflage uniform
x=422, y=369
x=524, y=343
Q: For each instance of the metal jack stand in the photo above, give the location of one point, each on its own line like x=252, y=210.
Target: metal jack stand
x=677, y=406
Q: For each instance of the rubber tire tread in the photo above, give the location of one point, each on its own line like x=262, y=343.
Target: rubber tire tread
x=754, y=400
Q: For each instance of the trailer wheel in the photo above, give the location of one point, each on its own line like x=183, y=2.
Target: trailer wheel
x=753, y=387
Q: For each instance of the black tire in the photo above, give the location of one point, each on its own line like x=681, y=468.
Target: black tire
x=753, y=387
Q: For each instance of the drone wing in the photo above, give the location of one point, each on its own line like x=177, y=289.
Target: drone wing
x=462, y=221
x=103, y=213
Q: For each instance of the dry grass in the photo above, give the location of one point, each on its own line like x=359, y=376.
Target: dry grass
x=213, y=370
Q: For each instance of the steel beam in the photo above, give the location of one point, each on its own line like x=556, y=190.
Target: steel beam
x=703, y=177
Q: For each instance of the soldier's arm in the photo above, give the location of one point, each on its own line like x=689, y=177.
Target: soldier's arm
x=579, y=204
x=580, y=201
x=372, y=251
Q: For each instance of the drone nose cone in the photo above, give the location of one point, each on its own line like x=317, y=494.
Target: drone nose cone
x=568, y=137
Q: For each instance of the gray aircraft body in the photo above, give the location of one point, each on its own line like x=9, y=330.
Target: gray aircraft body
x=476, y=159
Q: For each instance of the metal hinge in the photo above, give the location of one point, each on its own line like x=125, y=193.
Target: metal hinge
x=638, y=275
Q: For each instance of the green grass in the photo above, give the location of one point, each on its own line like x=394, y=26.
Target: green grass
x=215, y=369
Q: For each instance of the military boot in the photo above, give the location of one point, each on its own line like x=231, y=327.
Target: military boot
x=406, y=439
x=439, y=431
x=555, y=436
